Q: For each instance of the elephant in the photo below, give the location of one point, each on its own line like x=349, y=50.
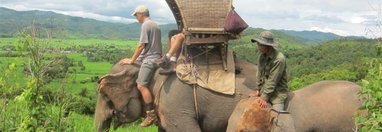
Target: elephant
x=325, y=106
x=179, y=106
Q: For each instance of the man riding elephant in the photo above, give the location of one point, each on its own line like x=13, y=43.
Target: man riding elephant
x=271, y=75
x=148, y=50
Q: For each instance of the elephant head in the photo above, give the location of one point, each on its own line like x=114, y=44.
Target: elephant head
x=249, y=116
x=118, y=99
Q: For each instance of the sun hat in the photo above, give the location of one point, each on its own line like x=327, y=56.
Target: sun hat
x=265, y=38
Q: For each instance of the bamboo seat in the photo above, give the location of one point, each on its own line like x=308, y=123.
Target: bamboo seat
x=202, y=21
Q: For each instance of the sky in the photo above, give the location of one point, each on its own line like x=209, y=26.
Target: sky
x=342, y=17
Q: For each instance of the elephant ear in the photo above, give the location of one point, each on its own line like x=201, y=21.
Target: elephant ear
x=117, y=87
x=117, y=77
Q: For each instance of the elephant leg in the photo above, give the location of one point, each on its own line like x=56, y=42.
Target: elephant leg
x=103, y=114
x=181, y=123
x=177, y=107
x=215, y=110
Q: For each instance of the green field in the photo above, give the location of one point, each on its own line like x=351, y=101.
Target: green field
x=74, y=83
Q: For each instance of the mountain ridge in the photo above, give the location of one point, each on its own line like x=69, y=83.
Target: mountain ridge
x=58, y=25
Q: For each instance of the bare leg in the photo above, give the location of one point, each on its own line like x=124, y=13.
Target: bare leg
x=169, y=43
x=171, y=57
x=176, y=42
x=150, y=113
x=146, y=94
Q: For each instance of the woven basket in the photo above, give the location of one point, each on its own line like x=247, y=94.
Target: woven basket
x=209, y=15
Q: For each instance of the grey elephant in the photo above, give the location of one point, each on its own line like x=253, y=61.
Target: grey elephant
x=180, y=106
x=326, y=106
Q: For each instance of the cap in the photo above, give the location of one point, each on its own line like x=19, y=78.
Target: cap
x=140, y=9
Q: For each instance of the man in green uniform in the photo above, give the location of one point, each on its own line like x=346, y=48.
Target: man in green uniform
x=271, y=76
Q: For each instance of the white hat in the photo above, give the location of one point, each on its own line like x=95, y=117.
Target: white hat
x=140, y=9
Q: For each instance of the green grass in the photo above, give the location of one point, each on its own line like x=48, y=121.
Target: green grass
x=17, y=75
x=90, y=42
x=91, y=69
x=72, y=83
x=83, y=123
x=68, y=43
x=11, y=115
x=8, y=41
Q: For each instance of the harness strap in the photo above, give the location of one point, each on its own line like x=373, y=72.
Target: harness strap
x=157, y=95
x=157, y=99
x=196, y=102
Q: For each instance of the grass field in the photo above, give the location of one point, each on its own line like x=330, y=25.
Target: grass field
x=74, y=83
x=64, y=43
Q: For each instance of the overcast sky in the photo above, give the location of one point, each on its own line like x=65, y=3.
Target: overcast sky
x=343, y=17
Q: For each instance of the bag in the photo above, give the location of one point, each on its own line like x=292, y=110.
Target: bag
x=234, y=23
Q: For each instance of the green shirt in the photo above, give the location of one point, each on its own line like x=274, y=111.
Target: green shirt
x=272, y=77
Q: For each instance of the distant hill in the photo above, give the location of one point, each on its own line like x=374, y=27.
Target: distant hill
x=282, y=39
x=63, y=26
x=312, y=37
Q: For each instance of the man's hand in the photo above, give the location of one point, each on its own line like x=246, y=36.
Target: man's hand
x=255, y=94
x=126, y=61
x=263, y=103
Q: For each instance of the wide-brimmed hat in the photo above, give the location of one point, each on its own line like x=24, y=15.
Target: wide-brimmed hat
x=265, y=38
x=140, y=9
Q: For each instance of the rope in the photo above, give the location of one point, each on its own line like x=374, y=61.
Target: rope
x=157, y=95
x=208, y=65
x=196, y=102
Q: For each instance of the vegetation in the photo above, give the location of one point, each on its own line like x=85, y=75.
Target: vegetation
x=50, y=84
x=372, y=96
x=64, y=97
x=72, y=96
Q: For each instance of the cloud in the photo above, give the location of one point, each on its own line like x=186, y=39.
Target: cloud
x=97, y=9
x=343, y=17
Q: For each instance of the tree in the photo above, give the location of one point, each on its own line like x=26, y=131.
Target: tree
x=371, y=92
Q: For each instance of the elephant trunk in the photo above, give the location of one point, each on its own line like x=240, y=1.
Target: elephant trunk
x=103, y=114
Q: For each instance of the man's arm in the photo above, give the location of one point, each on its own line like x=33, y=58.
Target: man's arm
x=136, y=54
x=258, y=78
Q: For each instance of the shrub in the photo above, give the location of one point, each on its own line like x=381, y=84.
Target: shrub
x=372, y=96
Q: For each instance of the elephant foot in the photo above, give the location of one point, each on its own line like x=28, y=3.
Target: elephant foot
x=150, y=119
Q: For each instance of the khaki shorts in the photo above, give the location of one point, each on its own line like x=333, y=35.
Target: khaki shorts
x=145, y=74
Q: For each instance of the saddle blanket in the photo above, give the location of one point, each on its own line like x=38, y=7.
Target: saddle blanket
x=205, y=67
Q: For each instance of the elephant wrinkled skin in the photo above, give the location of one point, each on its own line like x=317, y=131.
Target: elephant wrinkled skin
x=119, y=98
x=324, y=106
